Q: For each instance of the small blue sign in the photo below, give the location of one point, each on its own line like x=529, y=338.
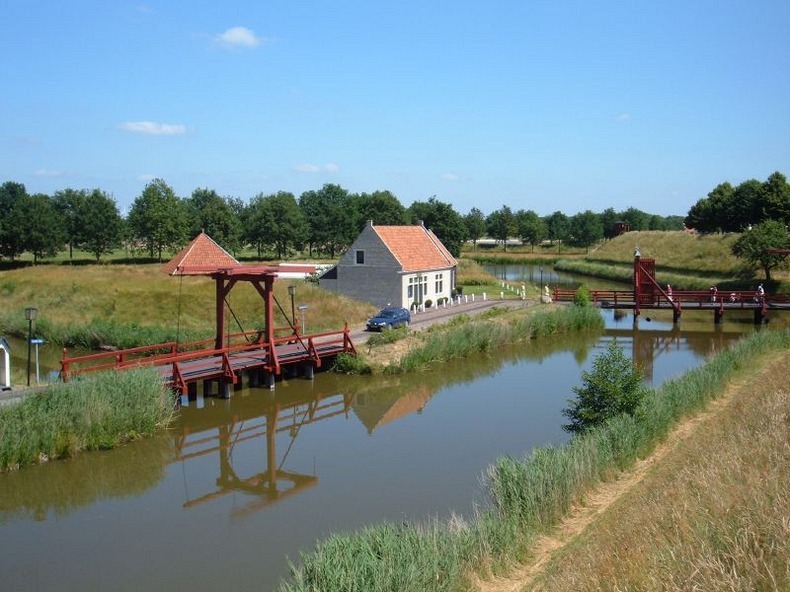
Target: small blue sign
x=36, y=341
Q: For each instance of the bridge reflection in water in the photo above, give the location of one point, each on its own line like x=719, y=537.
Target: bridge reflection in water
x=273, y=414
x=273, y=420
x=280, y=415
x=647, y=346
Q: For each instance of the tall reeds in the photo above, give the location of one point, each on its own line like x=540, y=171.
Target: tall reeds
x=528, y=496
x=97, y=412
x=466, y=339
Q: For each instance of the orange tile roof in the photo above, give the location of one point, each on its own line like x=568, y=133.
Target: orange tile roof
x=415, y=247
x=202, y=256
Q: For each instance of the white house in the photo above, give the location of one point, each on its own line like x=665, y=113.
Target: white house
x=394, y=266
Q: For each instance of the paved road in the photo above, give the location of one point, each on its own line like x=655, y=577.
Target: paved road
x=440, y=314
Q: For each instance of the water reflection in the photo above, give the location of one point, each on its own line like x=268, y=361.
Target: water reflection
x=265, y=474
x=58, y=488
x=274, y=414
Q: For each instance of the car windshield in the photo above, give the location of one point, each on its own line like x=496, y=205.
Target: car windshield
x=388, y=313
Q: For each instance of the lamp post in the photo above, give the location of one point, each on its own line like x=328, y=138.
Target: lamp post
x=541, y=276
x=292, y=293
x=303, y=310
x=30, y=315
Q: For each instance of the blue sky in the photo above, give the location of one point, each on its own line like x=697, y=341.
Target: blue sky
x=532, y=104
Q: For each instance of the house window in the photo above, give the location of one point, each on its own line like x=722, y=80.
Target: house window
x=439, y=283
x=418, y=289
x=360, y=257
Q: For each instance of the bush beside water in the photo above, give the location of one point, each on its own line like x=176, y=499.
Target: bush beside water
x=528, y=496
x=96, y=412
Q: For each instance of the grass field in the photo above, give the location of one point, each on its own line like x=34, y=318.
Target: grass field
x=712, y=515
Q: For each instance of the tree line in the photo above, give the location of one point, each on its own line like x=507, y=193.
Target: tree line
x=319, y=222
x=759, y=211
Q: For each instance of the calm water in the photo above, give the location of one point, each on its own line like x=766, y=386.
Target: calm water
x=238, y=486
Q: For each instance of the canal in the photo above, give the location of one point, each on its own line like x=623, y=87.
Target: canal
x=238, y=487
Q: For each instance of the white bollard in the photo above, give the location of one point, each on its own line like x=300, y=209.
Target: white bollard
x=501, y=295
x=473, y=297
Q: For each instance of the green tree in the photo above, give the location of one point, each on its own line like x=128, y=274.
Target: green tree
x=380, y=206
x=158, y=219
x=745, y=207
x=635, y=218
x=283, y=223
x=100, y=224
x=530, y=228
x=558, y=228
x=10, y=239
x=614, y=386
x=776, y=199
x=442, y=219
x=475, y=223
x=211, y=213
x=755, y=246
x=257, y=220
x=608, y=220
x=586, y=229
x=68, y=202
x=330, y=217
x=501, y=225
x=38, y=225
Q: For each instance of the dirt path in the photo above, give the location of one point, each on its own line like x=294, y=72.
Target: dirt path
x=596, y=503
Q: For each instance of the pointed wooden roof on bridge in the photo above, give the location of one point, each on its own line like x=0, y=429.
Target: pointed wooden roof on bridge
x=202, y=256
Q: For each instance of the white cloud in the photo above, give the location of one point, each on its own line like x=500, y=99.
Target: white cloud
x=313, y=168
x=153, y=128
x=624, y=118
x=146, y=177
x=238, y=37
x=450, y=177
x=47, y=173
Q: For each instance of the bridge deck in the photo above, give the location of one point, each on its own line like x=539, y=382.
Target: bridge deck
x=179, y=365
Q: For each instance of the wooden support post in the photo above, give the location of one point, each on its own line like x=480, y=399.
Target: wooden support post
x=309, y=371
x=225, y=388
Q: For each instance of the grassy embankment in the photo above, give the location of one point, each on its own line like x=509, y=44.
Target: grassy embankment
x=94, y=413
x=711, y=515
x=687, y=261
x=530, y=496
x=130, y=305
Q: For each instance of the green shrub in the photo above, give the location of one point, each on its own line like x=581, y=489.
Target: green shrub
x=612, y=388
x=350, y=364
x=582, y=296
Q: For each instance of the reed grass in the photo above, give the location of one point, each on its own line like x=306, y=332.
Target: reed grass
x=530, y=495
x=481, y=336
x=97, y=412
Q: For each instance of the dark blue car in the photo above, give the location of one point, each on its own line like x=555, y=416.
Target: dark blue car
x=389, y=318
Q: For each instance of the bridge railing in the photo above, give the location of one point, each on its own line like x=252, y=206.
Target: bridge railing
x=161, y=353
x=686, y=298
